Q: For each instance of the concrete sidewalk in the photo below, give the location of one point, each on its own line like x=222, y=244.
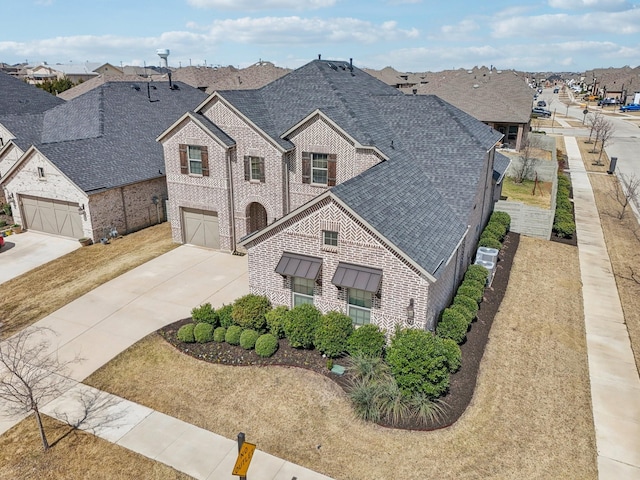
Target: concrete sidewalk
x=197, y=452
x=615, y=385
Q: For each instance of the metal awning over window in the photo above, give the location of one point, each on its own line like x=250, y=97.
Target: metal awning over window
x=303, y=266
x=355, y=276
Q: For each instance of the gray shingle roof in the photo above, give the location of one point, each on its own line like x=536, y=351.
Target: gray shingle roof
x=106, y=137
x=20, y=98
x=419, y=199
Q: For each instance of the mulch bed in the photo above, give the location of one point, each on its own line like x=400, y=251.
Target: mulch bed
x=463, y=382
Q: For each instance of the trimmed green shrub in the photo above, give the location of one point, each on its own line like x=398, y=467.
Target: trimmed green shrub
x=219, y=334
x=300, y=325
x=467, y=282
x=419, y=362
x=185, y=333
x=248, y=311
x=203, y=332
x=205, y=313
x=453, y=353
x=477, y=273
x=501, y=217
x=469, y=303
x=471, y=292
x=367, y=340
x=275, y=320
x=489, y=241
x=563, y=223
x=462, y=310
x=497, y=229
x=332, y=334
x=248, y=339
x=224, y=315
x=232, y=337
x=266, y=345
x=453, y=325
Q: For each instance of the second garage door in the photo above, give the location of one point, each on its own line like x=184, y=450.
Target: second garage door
x=52, y=216
x=201, y=228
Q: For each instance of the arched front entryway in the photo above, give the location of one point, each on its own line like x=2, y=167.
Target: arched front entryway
x=256, y=217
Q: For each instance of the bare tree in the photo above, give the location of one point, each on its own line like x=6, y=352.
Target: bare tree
x=525, y=166
x=31, y=375
x=626, y=192
x=593, y=120
x=606, y=129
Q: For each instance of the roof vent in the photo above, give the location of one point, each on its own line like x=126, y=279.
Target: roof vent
x=332, y=66
x=475, y=85
x=136, y=87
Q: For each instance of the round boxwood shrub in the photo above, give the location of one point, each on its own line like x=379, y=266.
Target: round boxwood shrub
x=232, y=337
x=219, y=334
x=462, y=310
x=453, y=325
x=203, y=332
x=248, y=311
x=469, y=303
x=367, y=340
x=185, y=333
x=224, y=315
x=497, y=229
x=453, y=353
x=333, y=333
x=266, y=345
x=300, y=325
x=471, y=292
x=275, y=320
x=248, y=339
x=472, y=283
x=205, y=313
x=501, y=217
x=489, y=241
x=419, y=362
x=477, y=273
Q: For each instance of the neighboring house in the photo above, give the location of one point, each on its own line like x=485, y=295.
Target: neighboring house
x=344, y=191
x=90, y=165
x=75, y=72
x=500, y=98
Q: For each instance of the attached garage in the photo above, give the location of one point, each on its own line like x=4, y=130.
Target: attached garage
x=200, y=227
x=52, y=216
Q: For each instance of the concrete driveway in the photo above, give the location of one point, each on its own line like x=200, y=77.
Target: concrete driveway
x=28, y=250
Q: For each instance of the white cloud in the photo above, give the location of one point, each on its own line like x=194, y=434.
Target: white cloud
x=296, y=30
x=460, y=30
x=598, y=5
x=252, y=5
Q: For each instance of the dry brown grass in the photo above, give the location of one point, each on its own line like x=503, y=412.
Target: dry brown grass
x=590, y=158
x=523, y=192
x=39, y=292
x=530, y=417
x=74, y=456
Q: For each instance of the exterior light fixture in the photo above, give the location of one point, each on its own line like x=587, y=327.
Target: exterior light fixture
x=81, y=210
x=410, y=312
x=10, y=198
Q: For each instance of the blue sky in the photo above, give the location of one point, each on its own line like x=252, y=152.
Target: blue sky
x=409, y=35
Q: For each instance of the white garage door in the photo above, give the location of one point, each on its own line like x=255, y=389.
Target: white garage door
x=201, y=228
x=52, y=216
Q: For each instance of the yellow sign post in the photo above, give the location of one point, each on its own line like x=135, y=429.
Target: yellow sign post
x=244, y=459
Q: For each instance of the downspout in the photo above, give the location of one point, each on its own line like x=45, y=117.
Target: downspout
x=285, y=174
x=232, y=213
x=124, y=210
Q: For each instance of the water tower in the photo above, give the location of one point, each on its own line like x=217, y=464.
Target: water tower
x=163, y=53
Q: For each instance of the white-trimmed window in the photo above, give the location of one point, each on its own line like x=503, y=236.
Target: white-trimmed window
x=359, y=303
x=254, y=169
x=330, y=239
x=194, y=154
x=302, y=290
x=319, y=168
x=41, y=172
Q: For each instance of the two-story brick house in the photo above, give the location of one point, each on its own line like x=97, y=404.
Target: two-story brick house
x=344, y=191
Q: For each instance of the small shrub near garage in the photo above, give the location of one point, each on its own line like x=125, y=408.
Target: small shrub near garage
x=224, y=316
x=219, y=334
x=462, y=310
x=332, y=334
x=497, y=229
x=205, y=313
x=453, y=326
x=367, y=341
x=266, y=345
x=248, y=311
x=488, y=240
x=419, y=361
x=469, y=303
x=275, y=320
x=471, y=292
x=232, y=337
x=300, y=325
x=501, y=217
x=185, y=333
x=203, y=332
x=248, y=339
x=477, y=273
x=453, y=354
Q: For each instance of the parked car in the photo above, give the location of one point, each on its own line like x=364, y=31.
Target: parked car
x=632, y=107
x=556, y=90
x=540, y=112
x=542, y=103
x=608, y=101
x=1, y=241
